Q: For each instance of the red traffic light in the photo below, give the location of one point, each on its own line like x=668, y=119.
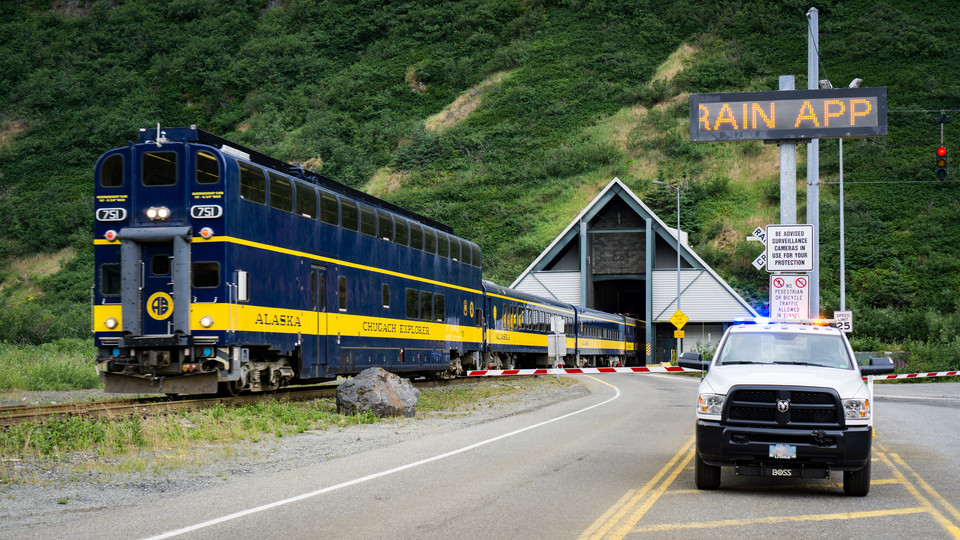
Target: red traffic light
x=942, y=162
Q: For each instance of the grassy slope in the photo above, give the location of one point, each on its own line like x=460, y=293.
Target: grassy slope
x=572, y=94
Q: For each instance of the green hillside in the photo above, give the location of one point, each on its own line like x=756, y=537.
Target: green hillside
x=500, y=118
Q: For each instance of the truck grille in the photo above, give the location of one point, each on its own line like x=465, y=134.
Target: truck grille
x=805, y=407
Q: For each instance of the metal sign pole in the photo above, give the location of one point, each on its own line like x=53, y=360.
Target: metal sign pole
x=813, y=165
x=788, y=169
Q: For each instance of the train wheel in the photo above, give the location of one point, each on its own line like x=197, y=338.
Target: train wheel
x=228, y=388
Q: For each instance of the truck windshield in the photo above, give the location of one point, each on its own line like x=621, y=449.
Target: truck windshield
x=785, y=348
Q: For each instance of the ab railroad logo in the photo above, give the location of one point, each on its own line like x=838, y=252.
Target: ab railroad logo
x=160, y=306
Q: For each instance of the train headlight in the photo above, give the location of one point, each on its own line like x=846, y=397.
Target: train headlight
x=206, y=321
x=110, y=235
x=158, y=213
x=111, y=323
x=206, y=233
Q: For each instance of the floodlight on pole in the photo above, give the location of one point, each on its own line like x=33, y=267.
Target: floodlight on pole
x=843, y=268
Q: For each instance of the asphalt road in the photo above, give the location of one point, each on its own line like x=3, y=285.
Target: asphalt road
x=614, y=464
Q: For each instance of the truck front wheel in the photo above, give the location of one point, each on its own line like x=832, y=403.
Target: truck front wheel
x=857, y=483
x=707, y=476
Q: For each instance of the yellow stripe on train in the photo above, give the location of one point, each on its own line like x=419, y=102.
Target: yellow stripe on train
x=247, y=318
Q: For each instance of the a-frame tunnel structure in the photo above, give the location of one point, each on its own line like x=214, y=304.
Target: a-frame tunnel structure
x=618, y=256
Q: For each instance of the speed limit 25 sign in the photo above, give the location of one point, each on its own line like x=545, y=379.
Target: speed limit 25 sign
x=843, y=320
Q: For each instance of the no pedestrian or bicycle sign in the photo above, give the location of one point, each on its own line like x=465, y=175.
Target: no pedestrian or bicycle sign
x=789, y=296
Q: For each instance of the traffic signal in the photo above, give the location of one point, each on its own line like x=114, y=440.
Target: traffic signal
x=942, y=162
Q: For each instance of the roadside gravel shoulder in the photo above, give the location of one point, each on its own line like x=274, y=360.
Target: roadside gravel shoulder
x=58, y=492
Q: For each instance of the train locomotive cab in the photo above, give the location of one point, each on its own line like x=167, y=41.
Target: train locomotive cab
x=153, y=200
x=219, y=268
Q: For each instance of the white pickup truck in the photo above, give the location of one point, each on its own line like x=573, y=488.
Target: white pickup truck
x=785, y=400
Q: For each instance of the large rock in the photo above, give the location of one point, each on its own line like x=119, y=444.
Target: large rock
x=380, y=391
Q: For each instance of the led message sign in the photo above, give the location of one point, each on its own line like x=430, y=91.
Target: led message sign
x=791, y=114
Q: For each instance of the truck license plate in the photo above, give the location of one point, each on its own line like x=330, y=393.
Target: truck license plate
x=783, y=451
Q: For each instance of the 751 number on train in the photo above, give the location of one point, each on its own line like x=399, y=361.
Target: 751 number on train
x=206, y=211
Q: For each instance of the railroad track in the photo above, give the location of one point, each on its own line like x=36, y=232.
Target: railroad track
x=156, y=406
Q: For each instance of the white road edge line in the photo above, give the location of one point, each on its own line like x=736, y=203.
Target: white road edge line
x=374, y=476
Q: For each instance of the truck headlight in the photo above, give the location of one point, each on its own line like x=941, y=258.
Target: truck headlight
x=856, y=409
x=711, y=404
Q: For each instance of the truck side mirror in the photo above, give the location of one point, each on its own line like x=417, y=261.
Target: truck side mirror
x=880, y=365
x=691, y=360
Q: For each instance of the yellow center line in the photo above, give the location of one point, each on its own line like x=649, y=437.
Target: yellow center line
x=627, y=525
x=778, y=519
x=927, y=487
x=948, y=525
x=615, y=514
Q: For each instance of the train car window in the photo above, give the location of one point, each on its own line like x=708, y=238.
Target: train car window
x=160, y=265
x=430, y=245
x=253, y=185
x=306, y=200
x=426, y=306
x=454, y=249
x=465, y=253
x=443, y=245
x=110, y=279
x=243, y=286
x=403, y=231
x=416, y=236
x=385, y=293
x=208, y=170
x=329, y=209
x=111, y=172
x=159, y=168
x=342, y=293
x=385, y=225
x=206, y=274
x=281, y=193
x=323, y=291
x=368, y=221
x=439, y=308
x=476, y=256
x=350, y=218
x=413, y=302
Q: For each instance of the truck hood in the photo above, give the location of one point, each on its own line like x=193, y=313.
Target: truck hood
x=846, y=382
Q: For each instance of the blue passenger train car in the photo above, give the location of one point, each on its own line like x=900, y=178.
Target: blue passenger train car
x=519, y=324
x=223, y=269
x=219, y=265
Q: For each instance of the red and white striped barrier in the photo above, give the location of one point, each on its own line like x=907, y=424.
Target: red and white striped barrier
x=662, y=369
x=577, y=371
x=914, y=375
